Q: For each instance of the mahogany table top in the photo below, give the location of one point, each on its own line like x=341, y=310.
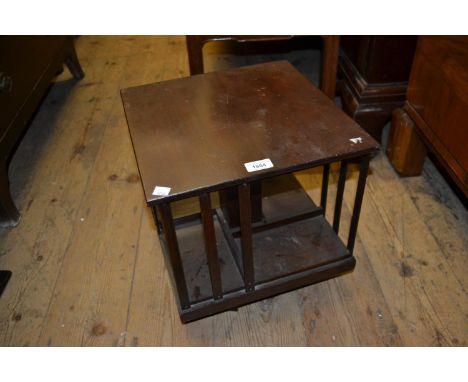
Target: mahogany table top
x=195, y=134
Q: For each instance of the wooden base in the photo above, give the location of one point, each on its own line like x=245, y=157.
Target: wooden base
x=374, y=74
x=270, y=289
x=370, y=105
x=292, y=246
x=406, y=152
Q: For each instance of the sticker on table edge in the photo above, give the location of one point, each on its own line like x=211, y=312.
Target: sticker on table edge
x=258, y=165
x=356, y=140
x=161, y=191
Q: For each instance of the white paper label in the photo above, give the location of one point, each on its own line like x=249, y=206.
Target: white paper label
x=356, y=140
x=161, y=191
x=258, y=165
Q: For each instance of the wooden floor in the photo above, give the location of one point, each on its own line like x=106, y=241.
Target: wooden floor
x=87, y=266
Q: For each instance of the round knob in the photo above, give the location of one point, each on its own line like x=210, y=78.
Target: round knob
x=6, y=83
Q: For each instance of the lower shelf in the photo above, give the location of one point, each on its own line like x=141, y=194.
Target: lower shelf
x=195, y=265
x=293, y=248
x=268, y=289
x=288, y=251
x=279, y=252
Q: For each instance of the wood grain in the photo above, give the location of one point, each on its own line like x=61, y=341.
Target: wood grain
x=238, y=116
x=104, y=278
x=405, y=149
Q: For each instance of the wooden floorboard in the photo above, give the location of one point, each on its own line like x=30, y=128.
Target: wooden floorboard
x=88, y=268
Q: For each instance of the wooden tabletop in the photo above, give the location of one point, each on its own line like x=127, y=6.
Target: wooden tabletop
x=196, y=133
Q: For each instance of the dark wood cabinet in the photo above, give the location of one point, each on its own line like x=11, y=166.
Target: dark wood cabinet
x=435, y=114
x=27, y=66
x=374, y=72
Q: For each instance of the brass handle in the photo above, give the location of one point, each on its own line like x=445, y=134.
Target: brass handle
x=6, y=83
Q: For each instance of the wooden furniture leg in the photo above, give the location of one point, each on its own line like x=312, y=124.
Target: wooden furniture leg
x=9, y=215
x=195, y=53
x=72, y=62
x=405, y=150
x=4, y=278
x=330, y=53
x=173, y=255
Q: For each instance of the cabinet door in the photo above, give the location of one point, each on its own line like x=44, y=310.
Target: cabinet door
x=23, y=62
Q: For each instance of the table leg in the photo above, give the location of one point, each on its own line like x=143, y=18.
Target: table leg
x=174, y=254
x=156, y=220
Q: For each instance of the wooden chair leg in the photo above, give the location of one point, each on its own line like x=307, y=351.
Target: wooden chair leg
x=9, y=215
x=71, y=60
x=4, y=278
x=331, y=48
x=195, y=54
x=405, y=150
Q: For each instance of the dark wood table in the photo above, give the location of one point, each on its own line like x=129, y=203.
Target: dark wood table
x=194, y=136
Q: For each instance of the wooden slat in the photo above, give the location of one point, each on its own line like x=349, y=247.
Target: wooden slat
x=364, y=166
x=174, y=255
x=323, y=196
x=365, y=318
x=210, y=245
x=246, y=235
x=339, y=196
